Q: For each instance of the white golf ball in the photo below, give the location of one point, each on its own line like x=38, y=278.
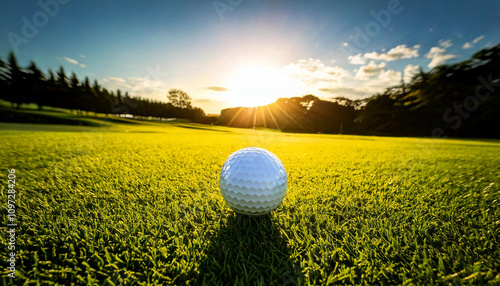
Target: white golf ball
x=253, y=181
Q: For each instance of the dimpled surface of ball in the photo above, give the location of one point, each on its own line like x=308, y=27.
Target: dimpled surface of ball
x=253, y=181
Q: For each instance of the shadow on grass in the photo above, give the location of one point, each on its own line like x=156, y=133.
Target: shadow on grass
x=116, y=120
x=40, y=117
x=247, y=251
x=202, y=128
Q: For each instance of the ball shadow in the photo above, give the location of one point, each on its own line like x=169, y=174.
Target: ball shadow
x=248, y=250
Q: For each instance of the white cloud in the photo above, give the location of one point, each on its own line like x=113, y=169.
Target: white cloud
x=410, y=71
x=477, y=39
x=357, y=59
x=370, y=71
x=69, y=60
x=375, y=78
x=345, y=44
x=469, y=45
x=396, y=53
x=349, y=92
x=313, y=71
x=369, y=80
x=82, y=56
x=438, y=56
x=445, y=43
x=390, y=76
x=136, y=85
x=399, y=52
x=114, y=79
x=143, y=86
x=327, y=81
x=72, y=61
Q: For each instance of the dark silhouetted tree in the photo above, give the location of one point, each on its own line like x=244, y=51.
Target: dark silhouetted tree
x=62, y=79
x=16, y=92
x=179, y=98
x=35, y=84
x=74, y=83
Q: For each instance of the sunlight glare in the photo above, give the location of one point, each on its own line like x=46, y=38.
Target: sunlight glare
x=258, y=85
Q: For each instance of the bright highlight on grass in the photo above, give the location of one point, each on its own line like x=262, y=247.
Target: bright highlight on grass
x=128, y=203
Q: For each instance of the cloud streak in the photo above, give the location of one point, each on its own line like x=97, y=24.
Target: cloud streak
x=136, y=85
x=313, y=71
x=72, y=61
x=349, y=92
x=445, y=43
x=469, y=45
x=397, y=53
x=336, y=81
x=217, y=88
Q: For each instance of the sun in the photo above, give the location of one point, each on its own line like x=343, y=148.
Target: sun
x=255, y=85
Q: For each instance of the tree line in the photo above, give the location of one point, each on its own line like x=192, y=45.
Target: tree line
x=296, y=114
x=56, y=89
x=458, y=100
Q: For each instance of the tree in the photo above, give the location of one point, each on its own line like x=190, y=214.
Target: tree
x=179, y=98
x=35, y=85
x=16, y=79
x=62, y=79
x=3, y=79
x=74, y=81
x=52, y=77
x=3, y=75
x=58, y=89
x=86, y=83
x=63, y=96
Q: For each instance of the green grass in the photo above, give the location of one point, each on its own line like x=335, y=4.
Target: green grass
x=30, y=114
x=140, y=204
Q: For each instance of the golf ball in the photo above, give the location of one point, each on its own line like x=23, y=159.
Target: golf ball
x=253, y=181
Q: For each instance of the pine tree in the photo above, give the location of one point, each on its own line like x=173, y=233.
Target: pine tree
x=74, y=81
x=16, y=90
x=62, y=79
x=35, y=84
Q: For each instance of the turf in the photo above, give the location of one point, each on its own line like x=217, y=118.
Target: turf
x=139, y=204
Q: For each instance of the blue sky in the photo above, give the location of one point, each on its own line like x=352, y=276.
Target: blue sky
x=245, y=52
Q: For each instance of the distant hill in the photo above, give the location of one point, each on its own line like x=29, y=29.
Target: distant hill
x=297, y=114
